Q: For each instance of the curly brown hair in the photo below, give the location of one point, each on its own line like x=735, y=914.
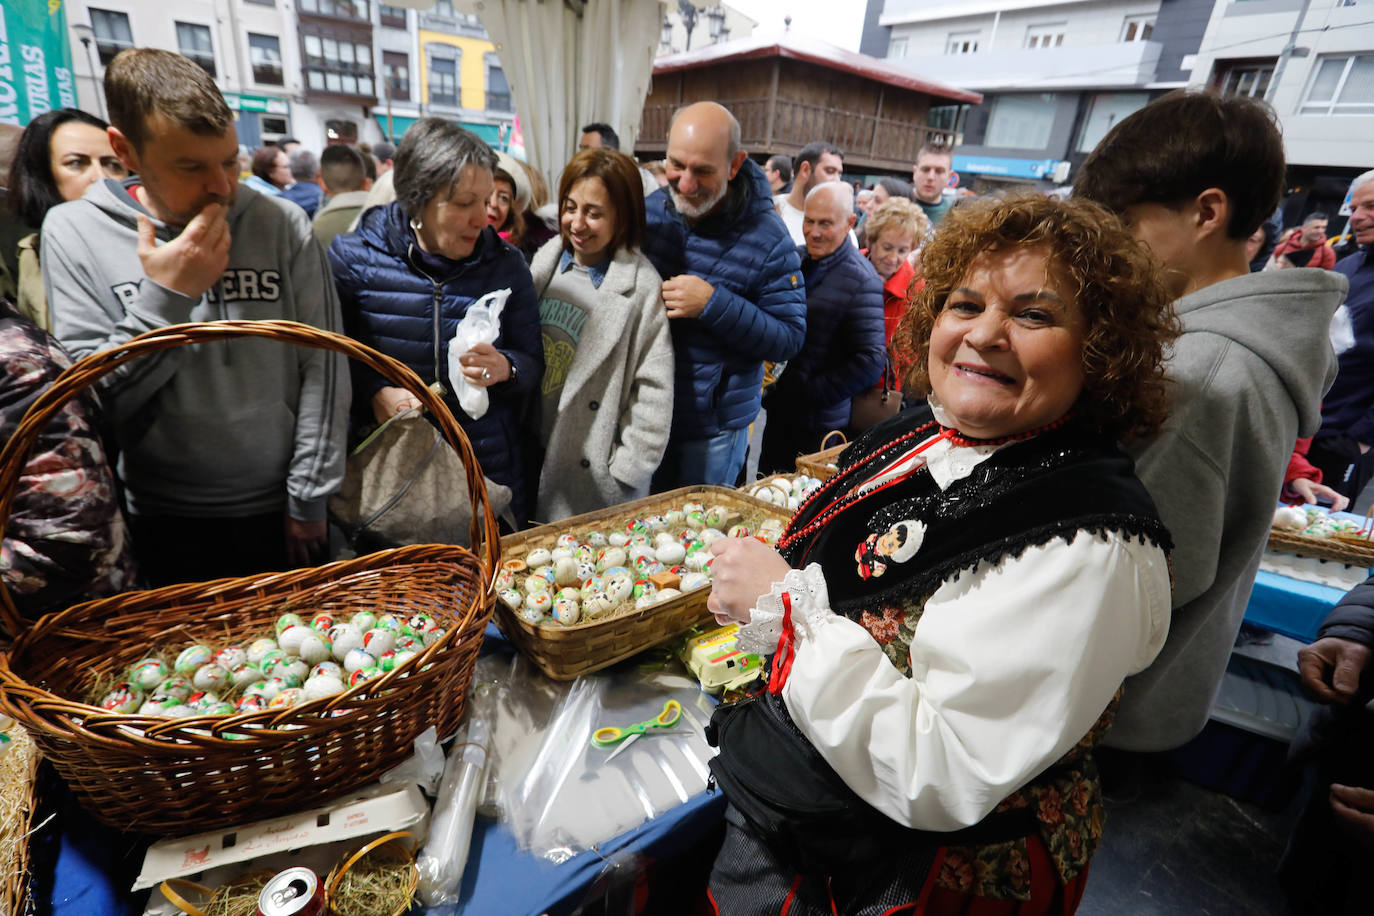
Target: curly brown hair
x=1127, y=310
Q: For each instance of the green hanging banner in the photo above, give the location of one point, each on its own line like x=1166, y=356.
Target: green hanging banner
x=35, y=60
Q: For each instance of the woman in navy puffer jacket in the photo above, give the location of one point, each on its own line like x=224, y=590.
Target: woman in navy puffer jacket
x=407, y=277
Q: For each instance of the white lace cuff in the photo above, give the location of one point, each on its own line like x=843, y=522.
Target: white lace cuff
x=810, y=605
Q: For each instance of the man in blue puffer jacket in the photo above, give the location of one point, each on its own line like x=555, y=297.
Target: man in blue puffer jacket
x=844, y=350
x=733, y=289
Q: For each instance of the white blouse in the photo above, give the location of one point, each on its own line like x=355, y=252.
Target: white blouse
x=1011, y=664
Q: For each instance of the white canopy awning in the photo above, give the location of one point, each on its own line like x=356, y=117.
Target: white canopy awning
x=572, y=62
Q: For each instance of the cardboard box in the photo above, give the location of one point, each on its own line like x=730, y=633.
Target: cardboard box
x=370, y=811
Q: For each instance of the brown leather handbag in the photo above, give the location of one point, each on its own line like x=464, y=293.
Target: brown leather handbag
x=871, y=407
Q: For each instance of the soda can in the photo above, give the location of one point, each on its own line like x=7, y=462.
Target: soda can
x=295, y=892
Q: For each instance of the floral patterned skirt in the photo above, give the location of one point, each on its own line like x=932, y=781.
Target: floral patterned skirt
x=1048, y=897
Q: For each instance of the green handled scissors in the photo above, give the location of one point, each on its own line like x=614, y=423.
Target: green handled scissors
x=605, y=737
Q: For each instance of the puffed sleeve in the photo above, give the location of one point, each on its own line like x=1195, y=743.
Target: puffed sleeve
x=1011, y=663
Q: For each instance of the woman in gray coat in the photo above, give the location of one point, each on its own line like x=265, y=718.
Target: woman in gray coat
x=605, y=404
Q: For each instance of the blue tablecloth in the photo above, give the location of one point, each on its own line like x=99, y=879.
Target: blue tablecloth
x=1289, y=606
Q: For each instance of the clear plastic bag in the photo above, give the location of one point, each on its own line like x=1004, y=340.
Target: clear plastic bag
x=481, y=324
x=558, y=793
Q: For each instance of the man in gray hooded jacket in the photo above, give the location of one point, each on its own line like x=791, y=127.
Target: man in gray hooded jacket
x=1194, y=175
x=229, y=449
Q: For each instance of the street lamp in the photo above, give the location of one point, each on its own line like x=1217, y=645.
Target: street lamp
x=84, y=34
x=715, y=19
x=667, y=37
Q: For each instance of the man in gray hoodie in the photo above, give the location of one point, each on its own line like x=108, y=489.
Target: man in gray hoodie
x=1194, y=175
x=229, y=449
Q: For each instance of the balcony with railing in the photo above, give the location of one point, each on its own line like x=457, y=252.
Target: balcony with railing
x=786, y=126
x=1125, y=63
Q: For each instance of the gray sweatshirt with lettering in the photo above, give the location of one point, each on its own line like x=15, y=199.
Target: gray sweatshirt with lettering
x=219, y=429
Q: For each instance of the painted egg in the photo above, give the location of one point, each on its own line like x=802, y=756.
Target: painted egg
x=244, y=675
x=596, y=603
x=192, y=658
x=539, y=601
x=596, y=539
x=320, y=686
x=740, y=531
x=291, y=697
x=316, y=648
x=363, y=620
x=644, y=587
x=539, y=556
x=634, y=526
x=617, y=539
x=358, y=659
x=175, y=686
x=536, y=584
x=619, y=588
x=638, y=539
x=388, y=622
x=644, y=601
x=560, y=553
x=697, y=561
x=230, y=657
x=259, y=649
x=586, y=569
x=655, y=523
x=566, y=611
x=284, y=679
x=587, y=553
x=345, y=636
x=511, y=598
x=409, y=643
x=671, y=553
x=692, y=581
x=387, y=661
x=158, y=706
x=716, y=515
x=286, y=621
x=294, y=669
x=375, y=642
x=125, y=698
x=322, y=623
x=403, y=657
x=693, y=507
x=666, y=594
x=710, y=535
x=251, y=702
x=328, y=669
x=696, y=520
x=202, y=700
x=180, y=711
x=565, y=572
x=210, y=677
x=674, y=518
x=547, y=571
x=364, y=674
x=504, y=579
x=642, y=563
x=222, y=708
x=573, y=593
x=610, y=557
x=274, y=657
x=148, y=673
x=567, y=541
x=290, y=639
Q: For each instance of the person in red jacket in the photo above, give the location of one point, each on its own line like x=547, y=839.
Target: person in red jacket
x=1307, y=247
x=895, y=228
x=1302, y=482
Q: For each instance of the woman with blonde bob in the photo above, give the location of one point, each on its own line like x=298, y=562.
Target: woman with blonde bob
x=606, y=399
x=954, y=612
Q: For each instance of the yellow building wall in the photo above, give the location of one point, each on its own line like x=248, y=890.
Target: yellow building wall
x=472, y=71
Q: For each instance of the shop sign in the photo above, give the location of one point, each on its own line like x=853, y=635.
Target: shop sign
x=35, y=60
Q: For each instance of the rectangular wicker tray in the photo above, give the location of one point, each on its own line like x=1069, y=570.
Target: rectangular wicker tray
x=564, y=653
x=1353, y=551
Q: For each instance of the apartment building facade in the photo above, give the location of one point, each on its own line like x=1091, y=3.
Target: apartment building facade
x=1055, y=76
x=322, y=71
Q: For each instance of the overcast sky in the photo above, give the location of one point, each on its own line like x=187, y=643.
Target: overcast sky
x=839, y=22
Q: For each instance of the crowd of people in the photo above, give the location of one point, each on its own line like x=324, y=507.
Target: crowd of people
x=1048, y=552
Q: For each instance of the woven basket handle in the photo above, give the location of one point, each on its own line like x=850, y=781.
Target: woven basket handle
x=485, y=537
x=825, y=440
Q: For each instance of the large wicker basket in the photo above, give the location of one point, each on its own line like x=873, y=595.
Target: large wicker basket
x=183, y=775
x=564, y=653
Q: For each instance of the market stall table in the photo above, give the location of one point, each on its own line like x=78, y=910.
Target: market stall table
x=96, y=864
